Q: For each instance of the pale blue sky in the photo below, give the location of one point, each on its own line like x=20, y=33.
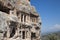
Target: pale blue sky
x=49, y=10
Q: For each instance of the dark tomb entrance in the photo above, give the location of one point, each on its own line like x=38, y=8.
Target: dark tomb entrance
x=13, y=28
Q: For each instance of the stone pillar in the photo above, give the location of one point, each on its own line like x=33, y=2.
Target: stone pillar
x=23, y=18
x=18, y=29
x=21, y=34
x=10, y=12
x=25, y=35
x=28, y=35
x=29, y=19
x=8, y=32
x=14, y=11
x=20, y=17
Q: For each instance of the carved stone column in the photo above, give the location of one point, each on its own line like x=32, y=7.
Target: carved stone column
x=20, y=17
x=23, y=18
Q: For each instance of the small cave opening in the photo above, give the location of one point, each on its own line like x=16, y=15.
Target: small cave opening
x=33, y=35
x=23, y=34
x=13, y=28
x=18, y=13
x=40, y=23
x=37, y=28
x=5, y=34
x=3, y=8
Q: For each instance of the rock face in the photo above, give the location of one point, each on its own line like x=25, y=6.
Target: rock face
x=19, y=20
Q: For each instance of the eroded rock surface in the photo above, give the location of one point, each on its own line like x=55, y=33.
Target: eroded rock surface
x=19, y=20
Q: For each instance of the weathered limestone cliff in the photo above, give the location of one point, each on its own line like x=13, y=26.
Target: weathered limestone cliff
x=19, y=20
